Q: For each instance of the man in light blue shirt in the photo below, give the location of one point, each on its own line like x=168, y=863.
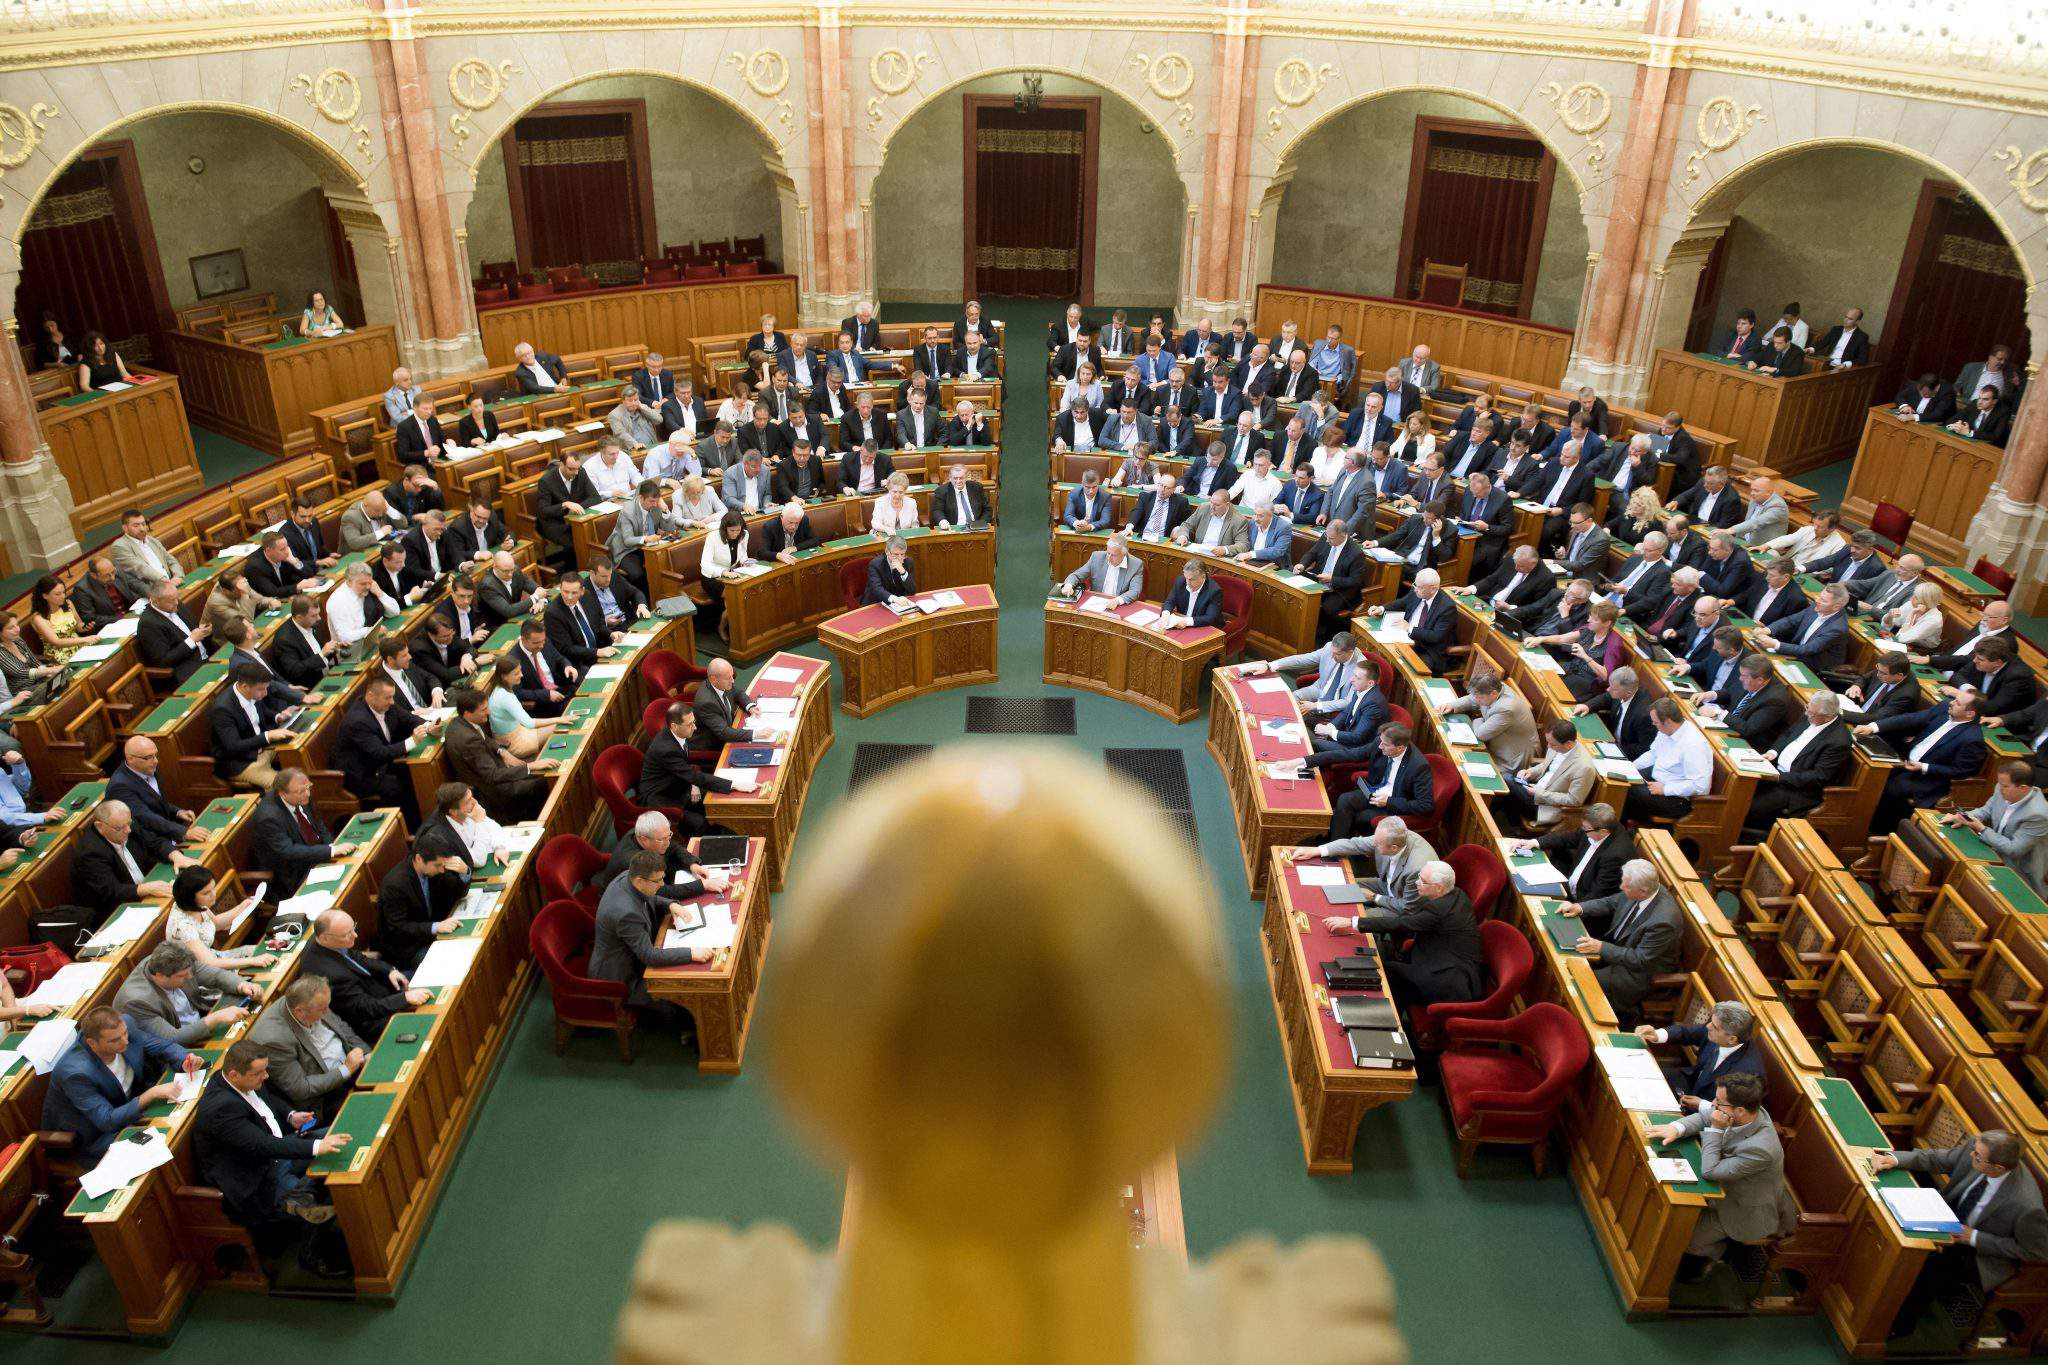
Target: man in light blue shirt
x=675, y=460
x=15, y=816
x=399, y=398
x=1332, y=359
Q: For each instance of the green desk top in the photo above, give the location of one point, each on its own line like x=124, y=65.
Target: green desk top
x=363, y=827
x=1967, y=579
x=2014, y=889
x=1492, y=782
x=1739, y=620
x=1565, y=933
x=1689, y=1149
x=583, y=708
x=361, y=1116
x=1968, y=844
x=1846, y=1110
x=1807, y=583
x=218, y=815
x=504, y=637
x=563, y=747
x=389, y=1057
x=81, y=797
x=2003, y=742
x=167, y=713
x=1799, y=675
x=203, y=677
x=1592, y=727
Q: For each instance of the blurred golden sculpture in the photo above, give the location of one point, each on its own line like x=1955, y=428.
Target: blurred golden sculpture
x=992, y=1028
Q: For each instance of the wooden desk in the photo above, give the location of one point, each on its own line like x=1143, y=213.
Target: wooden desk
x=1117, y=653
x=773, y=811
x=790, y=600
x=1383, y=328
x=664, y=317
x=1940, y=477
x=884, y=658
x=1284, y=611
x=1792, y=425
x=133, y=446
x=265, y=395
x=1330, y=1094
x=720, y=994
x=1271, y=812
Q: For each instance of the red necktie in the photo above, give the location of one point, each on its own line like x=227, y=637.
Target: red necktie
x=305, y=825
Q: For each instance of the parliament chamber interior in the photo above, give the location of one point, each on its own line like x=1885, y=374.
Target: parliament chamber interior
x=1499, y=810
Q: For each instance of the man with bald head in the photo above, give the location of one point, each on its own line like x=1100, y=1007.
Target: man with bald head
x=367, y=990
x=98, y=596
x=1445, y=960
x=112, y=859
x=136, y=784
x=372, y=520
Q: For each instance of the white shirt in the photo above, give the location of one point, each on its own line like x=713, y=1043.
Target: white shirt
x=1326, y=464
x=975, y=363
x=123, y=1072
x=1842, y=345
x=1682, y=761
x=1919, y=751
x=433, y=553
x=483, y=837
x=1585, y=859
x=345, y=610
x=249, y=710
x=1252, y=488
x=800, y=368
x=1214, y=535
x=1798, y=746
x=262, y=1110
x=887, y=518
x=1084, y=435
x=1564, y=477
x=1706, y=507
x=177, y=621
x=614, y=480
x=1113, y=576
x=1513, y=583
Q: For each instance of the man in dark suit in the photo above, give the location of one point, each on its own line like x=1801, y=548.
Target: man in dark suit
x=1741, y=342
x=506, y=593
x=289, y=837
x=476, y=534
x=1846, y=344
x=789, y=533
x=1336, y=562
x=573, y=626
x=866, y=423
x=1642, y=935
x=2002, y=683
x=1194, y=599
x=1887, y=690
x=98, y=596
x=419, y=437
x=252, y=1146
x=1398, y=398
x=1762, y=707
x=966, y=427
x=537, y=371
x=1780, y=357
x=654, y=380
x=932, y=356
x=1559, y=486
x=1986, y=419
x=683, y=411
x=564, y=488
x=1818, y=636
x=1855, y=562
x=430, y=553
x=722, y=707
x=1517, y=581
x=959, y=502
x=1068, y=330
x=272, y=571
x=1213, y=471
x=415, y=906
x=1773, y=596
x=863, y=328
x=546, y=677
x=306, y=537
x=1812, y=754
x=88, y=1099
x=510, y=790
x=367, y=989
x=1397, y=782
x=1926, y=399
x=1721, y=1046
x=890, y=574
x=375, y=733
x=1352, y=734
x=671, y=780
x=682, y=877
x=630, y=918
x=1591, y=856
x=136, y=784
x=1491, y=513
x=864, y=469
x=1220, y=403
x=439, y=655
x=1067, y=361
x=164, y=640
x=1728, y=570
x=1445, y=959
x=1711, y=502
x=1159, y=509
x=1681, y=452
x=298, y=654
x=1430, y=617
x=1939, y=746
x=1626, y=715
x=111, y=860
x=244, y=725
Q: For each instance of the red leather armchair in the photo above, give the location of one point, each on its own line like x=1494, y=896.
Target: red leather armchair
x=1443, y=785
x=1509, y=962
x=670, y=675
x=614, y=774
x=1237, y=613
x=853, y=581
x=1481, y=876
x=561, y=936
x=1512, y=1093
x=566, y=862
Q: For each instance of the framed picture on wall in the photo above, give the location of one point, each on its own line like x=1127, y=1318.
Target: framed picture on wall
x=219, y=272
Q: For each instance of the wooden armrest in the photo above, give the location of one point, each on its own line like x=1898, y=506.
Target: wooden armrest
x=1816, y=959
x=1967, y=947
x=1909, y=1090
x=1860, y=1020
x=2023, y=1007
x=1772, y=902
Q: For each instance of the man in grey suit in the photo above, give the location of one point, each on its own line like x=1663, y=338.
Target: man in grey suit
x=159, y=995
x=1421, y=371
x=1740, y=1152
x=2014, y=821
x=367, y=522
x=1888, y=591
x=1114, y=571
x=1502, y=721
x=628, y=942
x=751, y=474
x=1331, y=689
x=1560, y=777
x=1398, y=857
x=1766, y=518
x=644, y=518
x=314, y=1054
x=720, y=450
x=1217, y=524
x=1994, y=1197
x=1351, y=497
x=140, y=559
x=1127, y=428
x=1584, y=552
x=1643, y=935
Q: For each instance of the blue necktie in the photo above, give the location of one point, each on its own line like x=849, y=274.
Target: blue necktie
x=583, y=624
x=1330, y=687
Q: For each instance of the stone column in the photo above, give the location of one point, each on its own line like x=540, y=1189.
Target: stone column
x=836, y=269
x=2012, y=527
x=35, y=499
x=1222, y=279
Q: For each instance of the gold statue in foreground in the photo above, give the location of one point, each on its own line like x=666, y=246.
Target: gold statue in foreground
x=993, y=1027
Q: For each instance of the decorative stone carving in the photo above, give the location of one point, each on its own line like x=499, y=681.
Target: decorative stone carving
x=21, y=132
x=2026, y=174
x=1721, y=124
x=337, y=96
x=766, y=72
x=1295, y=82
x=1168, y=76
x=476, y=85
x=1584, y=109
x=892, y=71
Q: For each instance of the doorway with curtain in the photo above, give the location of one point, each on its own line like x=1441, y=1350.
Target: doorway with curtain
x=580, y=187
x=1959, y=292
x=1030, y=197
x=1478, y=198
x=89, y=258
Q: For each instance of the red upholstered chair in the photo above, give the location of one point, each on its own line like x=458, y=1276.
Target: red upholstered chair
x=655, y=718
x=1339, y=778
x=1889, y=521
x=700, y=272
x=1443, y=785
x=565, y=863
x=1511, y=1093
x=853, y=581
x=561, y=937
x=1509, y=961
x=1481, y=876
x=665, y=273
x=489, y=294
x=534, y=289
x=1396, y=713
x=1997, y=575
x=614, y=774
x=742, y=268
x=1237, y=613
x=670, y=675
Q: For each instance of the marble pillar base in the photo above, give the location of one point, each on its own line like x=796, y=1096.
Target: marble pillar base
x=35, y=514
x=2015, y=535
x=432, y=357
x=1218, y=311
x=815, y=310
x=1622, y=385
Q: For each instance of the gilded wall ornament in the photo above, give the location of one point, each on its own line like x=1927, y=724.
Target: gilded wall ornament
x=337, y=96
x=1168, y=76
x=1721, y=124
x=892, y=71
x=1295, y=82
x=21, y=132
x=1585, y=108
x=475, y=85
x=766, y=71
x=2026, y=174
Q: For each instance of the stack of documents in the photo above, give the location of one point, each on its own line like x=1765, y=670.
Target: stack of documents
x=1538, y=878
x=1670, y=1170
x=126, y=1160
x=48, y=1041
x=716, y=931
x=778, y=673
x=1320, y=876
x=1144, y=617
x=128, y=924
x=1097, y=602
x=1285, y=770
x=1459, y=731
x=1266, y=685
x=1637, y=1081
x=307, y=903
x=446, y=963
x=1921, y=1210
x=68, y=985
x=1392, y=629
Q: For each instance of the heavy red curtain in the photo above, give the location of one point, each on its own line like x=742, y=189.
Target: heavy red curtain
x=1029, y=187
x=1476, y=207
x=580, y=191
x=80, y=263
x=1966, y=296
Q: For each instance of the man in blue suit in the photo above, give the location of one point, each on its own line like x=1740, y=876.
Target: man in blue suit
x=1221, y=403
x=1855, y=562
x=1195, y=600
x=1819, y=636
x=1349, y=736
x=1300, y=498
x=1087, y=506
x=851, y=364
x=1947, y=743
x=1591, y=443
x=1333, y=360
x=1396, y=783
x=105, y=1080
x=1723, y=1047
x=1154, y=364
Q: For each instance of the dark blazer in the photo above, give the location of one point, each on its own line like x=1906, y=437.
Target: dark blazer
x=1225, y=475
x=1411, y=397
x=1790, y=601
x=1959, y=754
x=366, y=759
x=849, y=470
x=1992, y=427
x=2012, y=689
x=162, y=646
x=237, y=1154
x=715, y=715
x=531, y=690
x=774, y=540
x=297, y=662
x=85, y=1099
x=1697, y=1077
x=1761, y=715
x=1176, y=511
x=1486, y=457
x=96, y=607
x=1828, y=647
x=506, y=790
x=152, y=811
x=548, y=361
x=879, y=428
x=1432, y=635
x=1596, y=420
x=1602, y=876
x=1637, y=951
x=945, y=506
x=1640, y=600
x=277, y=581
x=1941, y=405
x=1856, y=354
x=1410, y=533
x=418, y=566
x=566, y=638
x=1577, y=489
x=406, y=915
x=236, y=743
x=958, y=433
x=667, y=774
x=464, y=541
x=469, y=431
x=411, y=443
x=1066, y=361
x=1531, y=589
x=1902, y=698
x=884, y=582
x=771, y=440
x=548, y=496
x=363, y=994
x=1728, y=578
x=1347, y=573
x=1413, y=793
x=1784, y=364
x=1841, y=567
x=499, y=602
x=99, y=878
x=655, y=389
x=1744, y=349
x=1205, y=610
x=1728, y=508
x=1820, y=764
x=1446, y=961
x=281, y=847
x=1683, y=455
x=1220, y=408
x=670, y=410
x=1635, y=731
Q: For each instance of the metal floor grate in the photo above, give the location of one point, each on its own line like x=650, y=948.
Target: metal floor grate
x=1163, y=773
x=1020, y=715
x=873, y=760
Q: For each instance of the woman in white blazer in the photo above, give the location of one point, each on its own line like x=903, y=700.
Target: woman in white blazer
x=1917, y=624
x=895, y=510
x=725, y=549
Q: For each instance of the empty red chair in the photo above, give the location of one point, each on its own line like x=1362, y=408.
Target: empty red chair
x=561, y=936
x=490, y=294
x=1237, y=613
x=733, y=268
x=1481, y=876
x=853, y=581
x=1506, y=1079
x=565, y=863
x=1996, y=575
x=1509, y=962
x=614, y=774
x=665, y=273
x=1443, y=785
x=670, y=674
x=700, y=272
x=1889, y=521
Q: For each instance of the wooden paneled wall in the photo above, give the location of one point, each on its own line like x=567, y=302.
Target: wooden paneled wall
x=1941, y=478
x=1386, y=330
x=263, y=395
x=661, y=317
x=1791, y=425
x=131, y=447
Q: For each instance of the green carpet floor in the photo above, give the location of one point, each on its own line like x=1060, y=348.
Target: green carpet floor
x=571, y=1159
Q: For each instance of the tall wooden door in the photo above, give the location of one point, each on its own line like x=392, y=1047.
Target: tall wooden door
x=1030, y=197
x=88, y=258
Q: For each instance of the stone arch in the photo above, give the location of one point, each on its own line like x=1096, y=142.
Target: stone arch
x=488, y=138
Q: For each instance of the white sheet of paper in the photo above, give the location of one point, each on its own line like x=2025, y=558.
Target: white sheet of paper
x=1629, y=1063
x=1458, y=730
x=1707, y=722
x=1538, y=661
x=1644, y=1096
x=48, y=1041
x=1266, y=685
x=1617, y=769
x=249, y=904
x=477, y=905
x=241, y=551
x=446, y=963
x=776, y=708
x=744, y=779
x=1284, y=770
x=717, y=931
x=119, y=630
x=1144, y=617
x=93, y=653
x=1918, y=1204
x=1097, y=602
x=307, y=903
x=123, y=1163
x=1320, y=876
x=327, y=874
x=590, y=426
x=1392, y=629
x=129, y=924
x=606, y=672
x=1479, y=767
x=1385, y=556
x=69, y=984
x=1295, y=580
x=1670, y=1170
x=777, y=673
x=1539, y=874
x=116, y=387
x=637, y=638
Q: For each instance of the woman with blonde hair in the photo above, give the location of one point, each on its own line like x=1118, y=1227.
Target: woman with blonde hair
x=895, y=510
x=1085, y=385
x=1642, y=515
x=1415, y=439
x=1916, y=623
x=695, y=504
